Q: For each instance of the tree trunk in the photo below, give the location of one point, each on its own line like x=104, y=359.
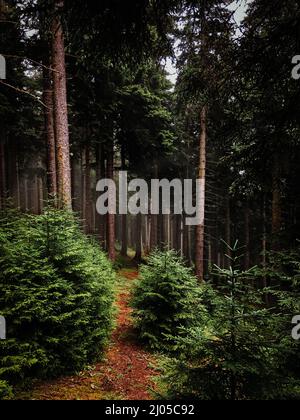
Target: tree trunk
x=87, y=187
x=199, y=255
x=154, y=220
x=13, y=171
x=138, y=239
x=61, y=110
x=276, y=207
x=50, y=135
x=228, y=229
x=111, y=219
x=247, y=237
x=264, y=248
x=187, y=242
x=124, y=229
x=2, y=172
x=100, y=173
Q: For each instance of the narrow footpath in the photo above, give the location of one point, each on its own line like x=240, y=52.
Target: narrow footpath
x=125, y=373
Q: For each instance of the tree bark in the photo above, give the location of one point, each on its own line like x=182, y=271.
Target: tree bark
x=264, y=247
x=247, y=237
x=87, y=187
x=228, y=229
x=138, y=239
x=100, y=174
x=50, y=134
x=61, y=110
x=276, y=206
x=199, y=255
x=111, y=219
x=154, y=220
x=124, y=229
x=2, y=173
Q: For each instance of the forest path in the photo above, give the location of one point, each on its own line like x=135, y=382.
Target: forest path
x=124, y=374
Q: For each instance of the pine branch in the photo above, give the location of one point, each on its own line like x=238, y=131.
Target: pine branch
x=38, y=63
x=36, y=98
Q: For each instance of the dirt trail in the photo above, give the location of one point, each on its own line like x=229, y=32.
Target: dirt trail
x=125, y=374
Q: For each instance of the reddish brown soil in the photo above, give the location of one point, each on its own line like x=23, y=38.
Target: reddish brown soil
x=125, y=374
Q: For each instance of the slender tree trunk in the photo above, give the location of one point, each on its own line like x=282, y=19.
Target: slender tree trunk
x=40, y=194
x=61, y=109
x=147, y=234
x=276, y=206
x=18, y=192
x=50, y=134
x=138, y=241
x=264, y=247
x=13, y=169
x=187, y=242
x=87, y=187
x=2, y=172
x=111, y=219
x=124, y=229
x=124, y=235
x=228, y=228
x=161, y=231
x=247, y=237
x=26, y=195
x=82, y=184
x=100, y=174
x=154, y=220
x=199, y=255
x=102, y=228
x=181, y=247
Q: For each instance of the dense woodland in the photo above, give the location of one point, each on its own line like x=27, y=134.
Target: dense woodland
x=87, y=94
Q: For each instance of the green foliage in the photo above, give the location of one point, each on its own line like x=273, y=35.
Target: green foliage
x=284, y=269
x=164, y=298
x=5, y=391
x=56, y=296
x=237, y=351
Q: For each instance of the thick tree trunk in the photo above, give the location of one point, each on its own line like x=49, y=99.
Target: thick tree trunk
x=199, y=254
x=111, y=219
x=61, y=110
x=50, y=134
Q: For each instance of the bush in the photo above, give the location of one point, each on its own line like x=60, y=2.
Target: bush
x=238, y=352
x=56, y=296
x=163, y=301
x=6, y=392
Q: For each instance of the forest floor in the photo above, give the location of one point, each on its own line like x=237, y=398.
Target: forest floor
x=125, y=373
